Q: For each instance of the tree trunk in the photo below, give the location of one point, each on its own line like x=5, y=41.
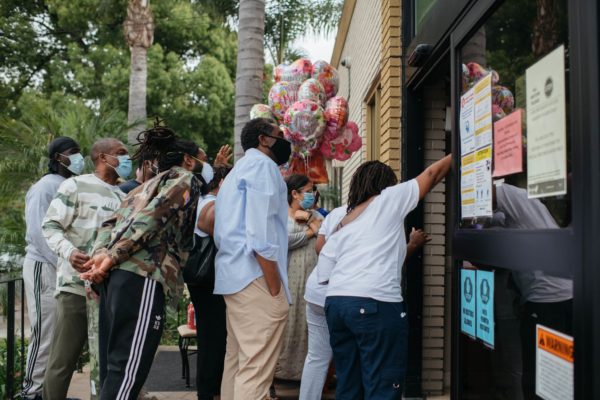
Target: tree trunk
x=136, y=114
x=139, y=34
x=545, y=28
x=250, y=65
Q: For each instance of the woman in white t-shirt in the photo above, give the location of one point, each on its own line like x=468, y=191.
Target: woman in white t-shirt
x=361, y=262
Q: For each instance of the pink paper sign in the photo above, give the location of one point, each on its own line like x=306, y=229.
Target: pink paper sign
x=508, y=144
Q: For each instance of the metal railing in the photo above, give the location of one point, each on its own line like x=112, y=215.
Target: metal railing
x=11, y=281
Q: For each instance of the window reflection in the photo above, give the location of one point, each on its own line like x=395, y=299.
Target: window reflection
x=517, y=35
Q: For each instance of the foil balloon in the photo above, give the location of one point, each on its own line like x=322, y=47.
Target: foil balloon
x=311, y=165
x=328, y=76
x=311, y=89
x=336, y=113
x=281, y=96
x=308, y=119
x=356, y=143
x=279, y=72
x=497, y=113
x=342, y=147
x=297, y=72
x=503, y=98
x=261, y=111
x=300, y=70
x=476, y=72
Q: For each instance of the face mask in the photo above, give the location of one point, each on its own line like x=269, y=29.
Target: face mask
x=282, y=149
x=308, y=201
x=207, y=172
x=75, y=163
x=125, y=166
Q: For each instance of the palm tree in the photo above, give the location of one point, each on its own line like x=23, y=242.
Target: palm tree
x=250, y=64
x=139, y=34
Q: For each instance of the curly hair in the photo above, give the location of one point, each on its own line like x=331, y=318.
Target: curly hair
x=253, y=129
x=369, y=180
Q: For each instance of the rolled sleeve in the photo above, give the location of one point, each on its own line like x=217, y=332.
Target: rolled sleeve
x=262, y=201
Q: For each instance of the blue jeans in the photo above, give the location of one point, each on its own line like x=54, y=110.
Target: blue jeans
x=369, y=339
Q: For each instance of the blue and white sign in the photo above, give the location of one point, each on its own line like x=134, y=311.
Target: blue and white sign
x=484, y=293
x=467, y=302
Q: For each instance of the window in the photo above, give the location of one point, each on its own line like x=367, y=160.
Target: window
x=422, y=7
x=513, y=123
x=374, y=124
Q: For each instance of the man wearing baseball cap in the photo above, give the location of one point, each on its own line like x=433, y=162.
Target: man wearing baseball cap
x=39, y=267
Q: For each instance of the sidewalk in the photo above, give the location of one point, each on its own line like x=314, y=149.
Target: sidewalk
x=80, y=388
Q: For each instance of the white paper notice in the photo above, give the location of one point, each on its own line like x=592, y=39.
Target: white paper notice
x=546, y=126
x=483, y=112
x=467, y=123
x=467, y=186
x=554, y=364
x=483, y=182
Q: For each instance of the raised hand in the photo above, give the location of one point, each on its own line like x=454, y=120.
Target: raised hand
x=224, y=155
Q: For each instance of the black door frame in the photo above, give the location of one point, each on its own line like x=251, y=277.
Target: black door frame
x=577, y=246
x=572, y=251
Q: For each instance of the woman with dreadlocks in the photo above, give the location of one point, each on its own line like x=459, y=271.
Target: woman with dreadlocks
x=362, y=261
x=137, y=259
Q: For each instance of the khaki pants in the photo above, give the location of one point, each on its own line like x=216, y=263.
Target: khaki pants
x=69, y=338
x=255, y=324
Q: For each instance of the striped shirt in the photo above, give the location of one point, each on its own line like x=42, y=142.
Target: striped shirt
x=80, y=206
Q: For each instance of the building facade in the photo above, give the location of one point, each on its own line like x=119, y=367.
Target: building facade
x=417, y=73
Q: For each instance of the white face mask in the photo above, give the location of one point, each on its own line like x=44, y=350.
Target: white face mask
x=207, y=172
x=75, y=163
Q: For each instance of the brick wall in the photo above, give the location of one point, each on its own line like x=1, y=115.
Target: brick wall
x=391, y=83
x=434, y=260
x=362, y=46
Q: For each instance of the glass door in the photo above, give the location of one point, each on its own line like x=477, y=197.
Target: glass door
x=516, y=241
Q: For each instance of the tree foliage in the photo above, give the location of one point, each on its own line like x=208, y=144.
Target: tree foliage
x=64, y=70
x=288, y=20
x=52, y=46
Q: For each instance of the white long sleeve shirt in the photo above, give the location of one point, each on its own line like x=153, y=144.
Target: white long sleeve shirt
x=251, y=213
x=37, y=201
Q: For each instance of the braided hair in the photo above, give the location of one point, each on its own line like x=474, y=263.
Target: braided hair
x=369, y=180
x=160, y=143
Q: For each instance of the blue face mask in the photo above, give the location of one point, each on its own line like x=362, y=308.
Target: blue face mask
x=308, y=201
x=125, y=166
x=75, y=163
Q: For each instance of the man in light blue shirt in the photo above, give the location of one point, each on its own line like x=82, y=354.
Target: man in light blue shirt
x=251, y=266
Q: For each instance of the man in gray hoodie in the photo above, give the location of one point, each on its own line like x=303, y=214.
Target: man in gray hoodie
x=39, y=267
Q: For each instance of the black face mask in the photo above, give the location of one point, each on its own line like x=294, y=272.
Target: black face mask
x=282, y=149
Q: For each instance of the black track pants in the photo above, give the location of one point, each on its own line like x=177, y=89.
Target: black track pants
x=132, y=317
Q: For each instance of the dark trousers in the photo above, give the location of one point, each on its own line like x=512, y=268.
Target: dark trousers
x=132, y=318
x=369, y=339
x=558, y=316
x=211, y=336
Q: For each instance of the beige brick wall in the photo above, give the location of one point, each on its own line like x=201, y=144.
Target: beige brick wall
x=363, y=48
x=434, y=260
x=391, y=83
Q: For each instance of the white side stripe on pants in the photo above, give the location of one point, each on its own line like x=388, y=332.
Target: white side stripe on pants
x=139, y=338
x=36, y=328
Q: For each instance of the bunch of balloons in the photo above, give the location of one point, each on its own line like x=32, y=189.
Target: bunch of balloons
x=303, y=101
x=503, y=101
